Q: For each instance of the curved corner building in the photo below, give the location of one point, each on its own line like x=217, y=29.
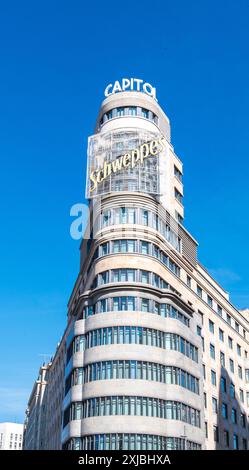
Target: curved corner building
x=133, y=369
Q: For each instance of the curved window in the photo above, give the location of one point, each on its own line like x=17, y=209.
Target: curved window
x=129, y=442
x=130, y=275
x=129, y=111
x=130, y=303
x=141, y=370
x=137, y=246
x=132, y=215
x=132, y=335
x=132, y=406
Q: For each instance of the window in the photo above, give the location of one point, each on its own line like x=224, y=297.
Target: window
x=211, y=326
x=214, y=405
x=189, y=281
x=221, y=335
x=205, y=400
x=240, y=372
x=230, y=342
x=223, y=384
x=213, y=378
x=247, y=398
x=210, y=301
x=241, y=395
x=120, y=112
x=178, y=196
x=216, y=433
x=232, y=390
x=132, y=111
x=144, y=248
x=231, y=364
x=224, y=410
x=238, y=350
x=212, y=351
x=222, y=358
x=235, y=442
x=145, y=277
x=204, y=371
x=177, y=173
x=228, y=319
x=198, y=330
x=199, y=291
x=234, y=416
x=237, y=326
x=145, y=305
x=206, y=429
x=226, y=438
x=145, y=113
x=145, y=217
x=219, y=310
x=247, y=375
x=243, y=420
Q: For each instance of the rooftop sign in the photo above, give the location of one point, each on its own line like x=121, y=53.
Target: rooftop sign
x=131, y=84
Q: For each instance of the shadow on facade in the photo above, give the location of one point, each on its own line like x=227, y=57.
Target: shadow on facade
x=231, y=431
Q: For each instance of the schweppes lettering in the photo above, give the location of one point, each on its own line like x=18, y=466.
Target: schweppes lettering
x=135, y=157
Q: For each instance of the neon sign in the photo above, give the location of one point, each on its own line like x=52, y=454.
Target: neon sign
x=135, y=157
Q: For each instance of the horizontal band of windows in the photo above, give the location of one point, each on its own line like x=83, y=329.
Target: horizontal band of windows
x=132, y=369
x=137, y=246
x=130, y=275
x=129, y=442
x=133, y=215
x=128, y=111
x=132, y=335
x=133, y=304
x=132, y=406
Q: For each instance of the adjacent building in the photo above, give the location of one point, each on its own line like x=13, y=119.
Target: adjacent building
x=154, y=355
x=11, y=436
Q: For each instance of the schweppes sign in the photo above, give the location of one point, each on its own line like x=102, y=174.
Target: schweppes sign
x=135, y=157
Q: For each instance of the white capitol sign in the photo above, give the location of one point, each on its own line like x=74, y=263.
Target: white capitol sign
x=130, y=84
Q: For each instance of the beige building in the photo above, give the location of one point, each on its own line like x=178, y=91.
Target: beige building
x=11, y=436
x=154, y=355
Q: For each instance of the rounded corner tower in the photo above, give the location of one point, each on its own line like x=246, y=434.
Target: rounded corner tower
x=133, y=372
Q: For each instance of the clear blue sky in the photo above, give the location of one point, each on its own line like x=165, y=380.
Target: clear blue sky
x=56, y=59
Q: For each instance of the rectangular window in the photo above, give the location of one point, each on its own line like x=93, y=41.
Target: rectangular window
x=213, y=378
x=235, y=442
x=241, y=395
x=189, y=281
x=247, y=375
x=178, y=196
x=221, y=335
x=232, y=390
x=120, y=112
x=234, y=416
x=226, y=438
x=238, y=350
x=145, y=305
x=219, y=310
x=231, y=364
x=223, y=384
x=199, y=291
x=230, y=342
x=240, y=372
x=212, y=351
x=132, y=111
x=214, y=405
x=210, y=301
x=228, y=319
x=144, y=248
x=145, y=217
x=177, y=173
x=216, y=434
x=222, y=358
x=145, y=113
x=224, y=410
x=237, y=326
x=211, y=326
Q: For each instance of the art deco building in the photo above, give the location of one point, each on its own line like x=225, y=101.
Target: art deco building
x=155, y=355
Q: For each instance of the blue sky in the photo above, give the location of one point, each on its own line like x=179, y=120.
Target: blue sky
x=56, y=59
